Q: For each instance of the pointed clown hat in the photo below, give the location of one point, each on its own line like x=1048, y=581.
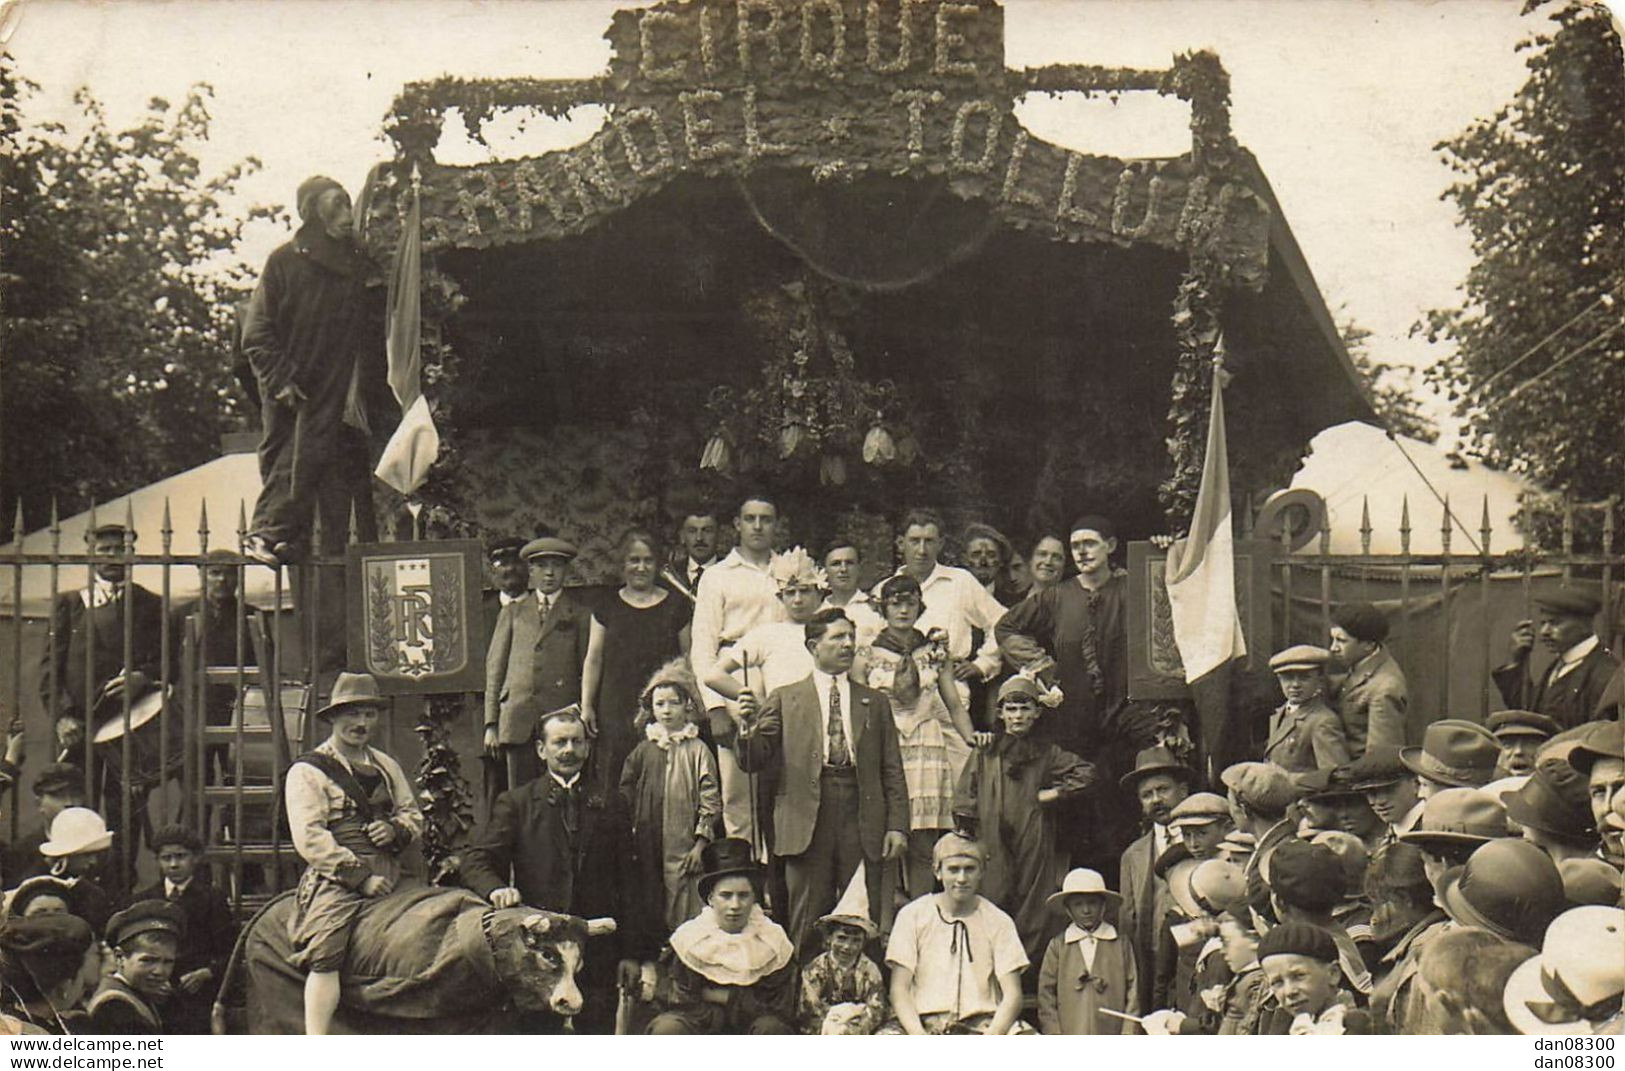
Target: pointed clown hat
x=853, y=908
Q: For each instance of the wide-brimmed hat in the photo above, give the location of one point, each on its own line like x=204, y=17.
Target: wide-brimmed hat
x=852, y=909
x=1207, y=888
x=76, y=830
x=1454, y=752
x=1156, y=760
x=1303, y=656
x=1505, y=723
x=352, y=690
x=1509, y=887
x=1573, y=986
x=548, y=547
x=1454, y=816
x=1542, y=806
x=725, y=858
x=1081, y=882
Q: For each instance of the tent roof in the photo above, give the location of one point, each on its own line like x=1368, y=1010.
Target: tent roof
x=227, y=485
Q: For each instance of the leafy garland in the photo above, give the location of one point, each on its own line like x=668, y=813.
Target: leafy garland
x=415, y=119
x=443, y=792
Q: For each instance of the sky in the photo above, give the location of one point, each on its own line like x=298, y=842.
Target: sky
x=1342, y=101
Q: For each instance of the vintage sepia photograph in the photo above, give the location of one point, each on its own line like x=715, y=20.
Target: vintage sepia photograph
x=821, y=517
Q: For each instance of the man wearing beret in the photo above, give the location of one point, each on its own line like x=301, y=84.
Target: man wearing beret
x=537, y=650
x=1371, y=699
x=313, y=335
x=1571, y=688
x=144, y=938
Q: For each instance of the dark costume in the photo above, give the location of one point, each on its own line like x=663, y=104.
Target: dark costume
x=118, y=1009
x=756, y=968
x=99, y=632
x=210, y=932
x=997, y=797
x=674, y=797
x=636, y=643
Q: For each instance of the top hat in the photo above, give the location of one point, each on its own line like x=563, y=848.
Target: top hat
x=853, y=907
x=352, y=690
x=725, y=858
x=1574, y=600
x=1509, y=887
x=1457, y=816
x=1454, y=752
x=146, y=916
x=1300, y=657
x=1569, y=988
x=1505, y=723
x=1081, y=882
x=76, y=830
x=548, y=547
x=1156, y=760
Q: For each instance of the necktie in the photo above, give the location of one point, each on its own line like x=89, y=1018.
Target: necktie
x=547, y=606
x=174, y=893
x=838, y=754
x=694, y=581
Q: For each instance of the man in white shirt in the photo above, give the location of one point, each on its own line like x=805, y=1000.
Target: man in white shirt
x=735, y=595
x=841, y=799
x=842, y=561
x=955, y=600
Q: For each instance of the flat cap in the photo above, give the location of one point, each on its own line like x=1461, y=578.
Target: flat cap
x=548, y=547
x=1504, y=723
x=1602, y=740
x=1301, y=656
x=1379, y=767
x=1262, y=786
x=145, y=916
x=59, y=778
x=1199, y=809
x=1580, y=601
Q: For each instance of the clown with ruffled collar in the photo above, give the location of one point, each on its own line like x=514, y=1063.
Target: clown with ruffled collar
x=732, y=968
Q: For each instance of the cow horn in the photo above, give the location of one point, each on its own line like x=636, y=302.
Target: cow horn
x=600, y=927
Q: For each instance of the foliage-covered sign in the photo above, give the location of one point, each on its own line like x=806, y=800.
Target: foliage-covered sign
x=1155, y=670
x=414, y=616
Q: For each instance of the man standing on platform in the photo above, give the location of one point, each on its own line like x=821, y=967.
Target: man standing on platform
x=735, y=595
x=1371, y=699
x=830, y=746
x=511, y=577
x=696, y=552
x=313, y=334
x=1571, y=689
x=536, y=653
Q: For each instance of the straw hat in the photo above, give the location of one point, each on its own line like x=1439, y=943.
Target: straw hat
x=77, y=830
x=1574, y=986
x=1081, y=882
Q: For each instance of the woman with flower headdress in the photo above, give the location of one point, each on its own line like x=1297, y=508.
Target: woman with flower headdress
x=674, y=796
x=934, y=733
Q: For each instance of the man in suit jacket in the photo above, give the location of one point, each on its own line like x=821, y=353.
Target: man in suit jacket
x=537, y=649
x=1158, y=781
x=831, y=747
x=206, y=939
x=555, y=845
x=510, y=579
x=1371, y=700
x=1305, y=733
x=1571, y=690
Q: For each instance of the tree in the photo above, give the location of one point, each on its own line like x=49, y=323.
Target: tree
x=1542, y=190
x=1391, y=387
x=116, y=300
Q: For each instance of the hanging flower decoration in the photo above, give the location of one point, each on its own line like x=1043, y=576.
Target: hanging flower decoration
x=810, y=401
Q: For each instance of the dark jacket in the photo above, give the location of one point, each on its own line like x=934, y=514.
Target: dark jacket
x=1572, y=700
x=118, y=1009
x=532, y=657
x=73, y=623
x=211, y=929
x=585, y=873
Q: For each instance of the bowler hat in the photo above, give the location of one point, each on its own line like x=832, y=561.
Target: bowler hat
x=146, y=916
x=1454, y=752
x=76, y=830
x=1298, y=939
x=725, y=858
x=1263, y=786
x=548, y=547
x=1585, y=881
x=1305, y=875
x=1569, y=988
x=1505, y=723
x=1574, y=600
x=1081, y=882
x=1541, y=805
x=1379, y=767
x=1363, y=621
x=352, y=690
x=1509, y=887
x=1301, y=656
x=1156, y=760
x=1458, y=816
x=1603, y=740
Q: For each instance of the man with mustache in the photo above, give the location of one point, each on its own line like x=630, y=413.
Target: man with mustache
x=1158, y=781
x=1571, y=688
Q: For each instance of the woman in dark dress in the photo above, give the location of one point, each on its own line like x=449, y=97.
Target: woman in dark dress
x=634, y=633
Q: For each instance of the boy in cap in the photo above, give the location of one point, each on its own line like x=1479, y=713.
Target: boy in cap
x=1572, y=686
x=1203, y=820
x=351, y=810
x=1306, y=883
x=144, y=937
x=955, y=958
x=537, y=650
x=1214, y=895
x=1305, y=733
x=842, y=974
x=1455, y=753
x=1520, y=734
x=209, y=933
x=1371, y=698
x=1300, y=964
x=1389, y=789
x=1088, y=966
x=1007, y=795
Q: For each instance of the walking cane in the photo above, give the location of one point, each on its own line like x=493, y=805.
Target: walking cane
x=757, y=836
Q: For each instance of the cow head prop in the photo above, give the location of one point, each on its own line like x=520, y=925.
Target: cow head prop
x=539, y=955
